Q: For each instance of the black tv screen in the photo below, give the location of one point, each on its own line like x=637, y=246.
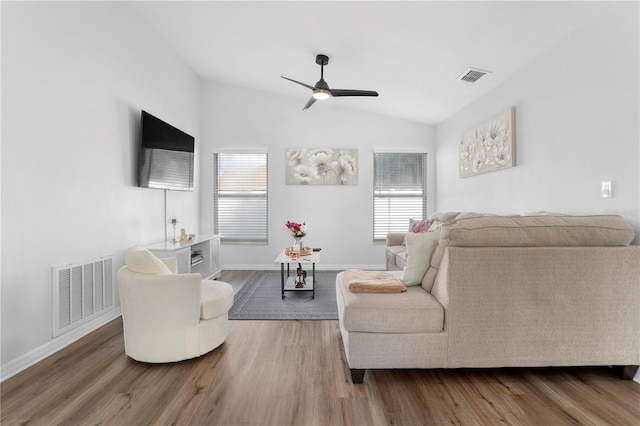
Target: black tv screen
x=166, y=156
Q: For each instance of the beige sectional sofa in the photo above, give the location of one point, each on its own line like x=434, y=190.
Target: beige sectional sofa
x=503, y=291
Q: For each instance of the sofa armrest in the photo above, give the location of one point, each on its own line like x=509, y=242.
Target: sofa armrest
x=395, y=238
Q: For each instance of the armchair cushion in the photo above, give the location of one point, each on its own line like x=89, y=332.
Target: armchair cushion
x=216, y=299
x=142, y=261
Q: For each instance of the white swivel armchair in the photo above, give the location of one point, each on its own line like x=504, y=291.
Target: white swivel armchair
x=167, y=316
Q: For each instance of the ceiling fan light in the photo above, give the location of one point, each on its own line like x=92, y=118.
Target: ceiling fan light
x=321, y=94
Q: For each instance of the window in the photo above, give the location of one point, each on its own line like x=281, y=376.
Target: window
x=240, y=196
x=399, y=191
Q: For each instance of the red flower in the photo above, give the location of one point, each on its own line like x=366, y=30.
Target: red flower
x=297, y=229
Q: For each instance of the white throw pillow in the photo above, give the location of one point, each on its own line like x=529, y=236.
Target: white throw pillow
x=142, y=261
x=420, y=247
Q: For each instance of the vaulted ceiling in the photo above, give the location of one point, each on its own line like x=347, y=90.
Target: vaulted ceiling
x=410, y=52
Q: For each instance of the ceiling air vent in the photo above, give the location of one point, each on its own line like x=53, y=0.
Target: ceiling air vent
x=472, y=75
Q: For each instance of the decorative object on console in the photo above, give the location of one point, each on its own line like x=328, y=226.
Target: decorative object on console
x=322, y=166
x=173, y=221
x=488, y=147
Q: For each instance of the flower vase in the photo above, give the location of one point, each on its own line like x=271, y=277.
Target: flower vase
x=297, y=241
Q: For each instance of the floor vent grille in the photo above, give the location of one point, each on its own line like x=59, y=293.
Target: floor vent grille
x=82, y=291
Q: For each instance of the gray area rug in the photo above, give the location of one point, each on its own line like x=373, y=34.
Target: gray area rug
x=260, y=299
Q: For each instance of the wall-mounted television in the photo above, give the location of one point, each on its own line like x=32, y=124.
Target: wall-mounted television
x=166, y=156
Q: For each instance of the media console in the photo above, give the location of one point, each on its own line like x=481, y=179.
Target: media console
x=202, y=255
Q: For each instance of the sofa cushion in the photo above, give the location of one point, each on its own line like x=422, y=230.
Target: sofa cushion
x=142, y=261
x=420, y=247
x=401, y=259
x=416, y=225
x=412, y=311
x=546, y=230
x=216, y=298
x=540, y=231
x=543, y=213
x=443, y=216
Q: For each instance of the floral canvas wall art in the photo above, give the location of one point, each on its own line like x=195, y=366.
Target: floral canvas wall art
x=322, y=166
x=488, y=147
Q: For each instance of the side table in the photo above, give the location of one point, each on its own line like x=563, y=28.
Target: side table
x=288, y=284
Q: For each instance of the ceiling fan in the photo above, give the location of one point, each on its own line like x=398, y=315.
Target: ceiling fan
x=322, y=91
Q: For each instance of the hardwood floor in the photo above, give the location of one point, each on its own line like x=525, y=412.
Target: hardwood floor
x=294, y=373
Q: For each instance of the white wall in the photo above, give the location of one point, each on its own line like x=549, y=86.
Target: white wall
x=339, y=218
x=74, y=78
x=577, y=124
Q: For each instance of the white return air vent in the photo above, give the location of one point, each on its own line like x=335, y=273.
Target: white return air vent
x=472, y=75
x=82, y=291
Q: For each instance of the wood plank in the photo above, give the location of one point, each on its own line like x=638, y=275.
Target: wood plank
x=294, y=372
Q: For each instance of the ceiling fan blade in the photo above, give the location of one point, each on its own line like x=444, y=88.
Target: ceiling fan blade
x=298, y=82
x=348, y=92
x=309, y=103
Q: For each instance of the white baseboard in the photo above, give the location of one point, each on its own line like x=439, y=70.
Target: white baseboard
x=25, y=361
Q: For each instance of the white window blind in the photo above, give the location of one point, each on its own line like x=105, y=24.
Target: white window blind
x=399, y=193
x=240, y=196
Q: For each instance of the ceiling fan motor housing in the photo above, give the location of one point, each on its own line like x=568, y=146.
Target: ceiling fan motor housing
x=321, y=84
x=322, y=60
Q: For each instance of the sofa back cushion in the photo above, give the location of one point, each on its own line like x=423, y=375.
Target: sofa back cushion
x=420, y=248
x=528, y=231
x=538, y=231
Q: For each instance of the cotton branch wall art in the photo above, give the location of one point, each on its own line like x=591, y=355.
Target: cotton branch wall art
x=322, y=166
x=488, y=147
